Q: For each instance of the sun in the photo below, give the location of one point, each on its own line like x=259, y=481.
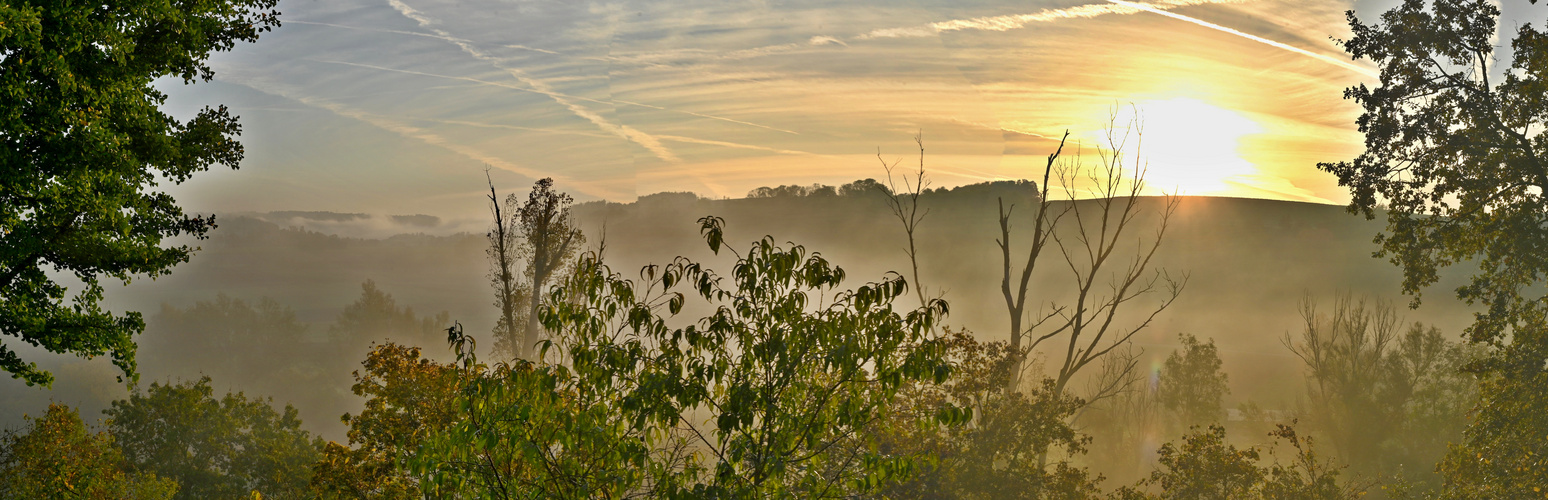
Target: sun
x=1192, y=147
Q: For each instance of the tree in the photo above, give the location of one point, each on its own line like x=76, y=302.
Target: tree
x=1438, y=396
x=1043, y=223
x=1346, y=356
x=781, y=385
x=408, y=398
x=793, y=191
x=527, y=430
x=1503, y=455
x=1205, y=467
x=997, y=453
x=1389, y=400
x=234, y=339
x=58, y=458
x=1090, y=325
x=214, y=448
x=504, y=253
x=862, y=187
x=904, y=204
x=85, y=147
x=551, y=238
x=1457, y=159
x=1125, y=425
x=376, y=315
x=1192, y=387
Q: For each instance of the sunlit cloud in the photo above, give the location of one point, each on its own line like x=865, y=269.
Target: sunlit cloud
x=825, y=40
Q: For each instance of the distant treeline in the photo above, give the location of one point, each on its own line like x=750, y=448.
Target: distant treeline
x=865, y=187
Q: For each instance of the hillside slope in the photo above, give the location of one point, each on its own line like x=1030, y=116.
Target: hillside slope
x=1248, y=263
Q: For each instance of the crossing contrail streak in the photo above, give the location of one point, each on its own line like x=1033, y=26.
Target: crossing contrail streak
x=460, y=41
x=1017, y=21
x=469, y=79
x=708, y=142
x=625, y=132
x=1321, y=57
x=416, y=133
x=701, y=115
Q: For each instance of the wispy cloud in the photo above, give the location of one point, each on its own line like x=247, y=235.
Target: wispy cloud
x=825, y=40
x=361, y=28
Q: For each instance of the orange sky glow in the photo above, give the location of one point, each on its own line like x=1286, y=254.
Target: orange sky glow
x=397, y=106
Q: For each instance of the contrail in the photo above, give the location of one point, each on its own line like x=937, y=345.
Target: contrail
x=511, y=127
x=467, y=46
x=700, y=115
x=504, y=86
x=426, y=35
x=416, y=133
x=442, y=36
x=709, y=142
x=622, y=131
x=361, y=28
x=1017, y=21
x=462, y=78
x=1324, y=58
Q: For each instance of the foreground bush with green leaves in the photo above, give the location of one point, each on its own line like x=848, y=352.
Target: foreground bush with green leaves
x=777, y=392
x=57, y=457
x=786, y=386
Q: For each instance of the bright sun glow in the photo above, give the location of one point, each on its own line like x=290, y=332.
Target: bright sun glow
x=1191, y=147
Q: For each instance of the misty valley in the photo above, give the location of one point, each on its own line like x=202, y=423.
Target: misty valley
x=643, y=249
x=1283, y=321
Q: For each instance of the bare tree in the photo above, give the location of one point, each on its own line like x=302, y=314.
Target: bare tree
x=1093, y=238
x=504, y=253
x=1351, y=367
x=1124, y=419
x=1016, y=303
x=904, y=204
x=1105, y=284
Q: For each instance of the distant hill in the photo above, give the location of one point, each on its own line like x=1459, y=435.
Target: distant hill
x=1248, y=261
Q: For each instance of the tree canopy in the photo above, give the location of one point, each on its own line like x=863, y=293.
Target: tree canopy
x=85, y=147
x=776, y=393
x=57, y=457
x=1456, y=156
x=223, y=447
x=1192, y=387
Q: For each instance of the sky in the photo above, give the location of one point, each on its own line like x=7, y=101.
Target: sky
x=400, y=106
